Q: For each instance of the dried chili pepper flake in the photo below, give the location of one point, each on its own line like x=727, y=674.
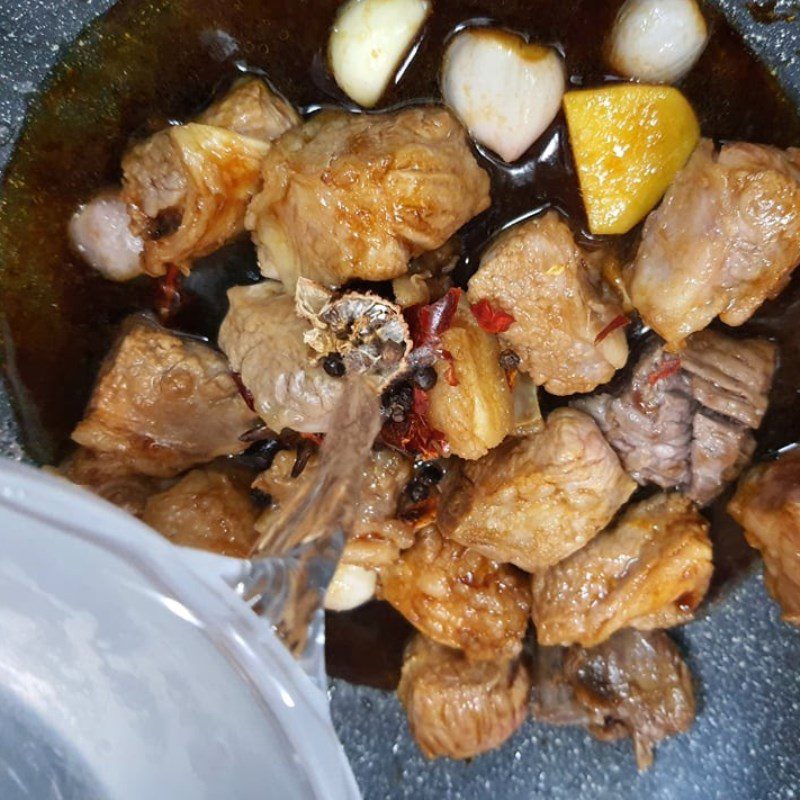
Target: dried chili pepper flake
x=419, y=514
x=666, y=370
x=168, y=292
x=246, y=394
x=428, y=322
x=491, y=319
x=450, y=375
x=414, y=434
x=511, y=378
x=620, y=321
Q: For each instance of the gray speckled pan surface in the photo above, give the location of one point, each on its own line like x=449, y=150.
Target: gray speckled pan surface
x=745, y=744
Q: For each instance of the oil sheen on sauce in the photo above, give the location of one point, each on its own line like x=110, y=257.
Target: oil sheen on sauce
x=147, y=63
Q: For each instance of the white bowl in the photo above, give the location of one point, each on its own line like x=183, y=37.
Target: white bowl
x=125, y=673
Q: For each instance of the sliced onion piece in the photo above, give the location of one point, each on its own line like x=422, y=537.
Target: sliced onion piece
x=505, y=90
x=657, y=41
x=368, y=42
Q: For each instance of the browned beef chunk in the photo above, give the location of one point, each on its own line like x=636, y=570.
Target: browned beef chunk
x=729, y=376
x=649, y=423
x=460, y=708
x=684, y=420
x=635, y=684
x=767, y=506
x=720, y=450
x=650, y=570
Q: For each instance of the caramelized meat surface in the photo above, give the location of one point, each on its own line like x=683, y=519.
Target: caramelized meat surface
x=684, y=420
x=459, y=708
x=634, y=684
x=356, y=196
x=187, y=190
x=725, y=239
x=458, y=598
x=262, y=336
x=207, y=509
x=767, y=506
x=537, y=273
x=251, y=108
x=163, y=403
x=650, y=570
x=533, y=501
x=109, y=476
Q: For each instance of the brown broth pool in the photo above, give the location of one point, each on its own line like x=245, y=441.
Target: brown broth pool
x=146, y=63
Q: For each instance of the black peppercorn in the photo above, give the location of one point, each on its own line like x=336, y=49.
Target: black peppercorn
x=260, y=455
x=398, y=401
x=418, y=491
x=430, y=474
x=425, y=378
x=333, y=364
x=261, y=498
x=509, y=360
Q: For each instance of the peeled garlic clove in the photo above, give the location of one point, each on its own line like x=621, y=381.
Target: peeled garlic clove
x=657, y=40
x=505, y=91
x=350, y=587
x=100, y=232
x=368, y=42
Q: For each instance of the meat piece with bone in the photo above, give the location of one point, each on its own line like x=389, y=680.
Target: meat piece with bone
x=537, y=273
x=187, y=190
x=459, y=708
x=458, y=598
x=209, y=509
x=725, y=239
x=164, y=403
x=634, y=684
x=684, y=420
x=179, y=179
x=251, y=108
x=650, y=570
x=264, y=339
x=534, y=501
x=356, y=196
x=767, y=506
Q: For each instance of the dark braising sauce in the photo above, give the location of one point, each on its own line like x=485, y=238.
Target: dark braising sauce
x=147, y=63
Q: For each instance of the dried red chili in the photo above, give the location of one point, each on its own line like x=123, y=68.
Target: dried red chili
x=666, y=370
x=428, y=322
x=423, y=513
x=511, y=378
x=168, y=292
x=491, y=319
x=415, y=434
x=619, y=321
x=246, y=394
x=450, y=376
